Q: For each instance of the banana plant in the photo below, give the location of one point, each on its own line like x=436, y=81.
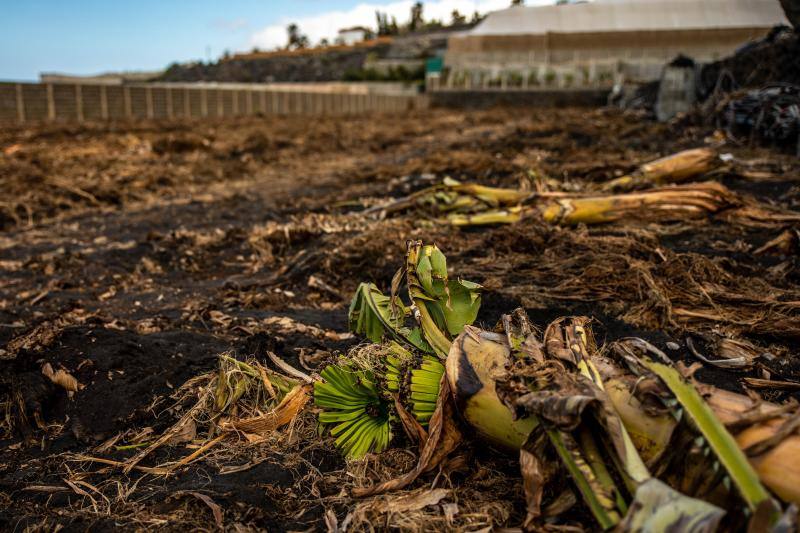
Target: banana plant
x=443, y=306
x=415, y=338
x=665, y=203
x=440, y=307
x=673, y=168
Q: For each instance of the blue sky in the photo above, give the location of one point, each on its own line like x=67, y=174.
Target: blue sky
x=93, y=36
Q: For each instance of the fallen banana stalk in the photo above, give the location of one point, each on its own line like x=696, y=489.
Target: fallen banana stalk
x=664, y=204
x=481, y=389
x=670, y=169
x=750, y=423
x=571, y=409
x=464, y=204
x=651, y=363
x=453, y=196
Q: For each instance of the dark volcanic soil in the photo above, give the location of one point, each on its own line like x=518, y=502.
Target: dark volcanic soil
x=131, y=255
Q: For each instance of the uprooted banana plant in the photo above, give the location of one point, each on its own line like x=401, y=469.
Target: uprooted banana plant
x=361, y=395
x=465, y=204
x=561, y=388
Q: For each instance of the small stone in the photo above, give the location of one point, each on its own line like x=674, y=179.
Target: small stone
x=673, y=345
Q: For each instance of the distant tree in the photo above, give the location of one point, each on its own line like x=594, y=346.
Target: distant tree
x=517, y=2
x=296, y=39
x=382, y=20
x=457, y=18
x=476, y=17
x=324, y=42
x=416, y=21
x=385, y=26
x=256, y=50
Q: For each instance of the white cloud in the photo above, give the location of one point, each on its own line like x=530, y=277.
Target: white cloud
x=328, y=24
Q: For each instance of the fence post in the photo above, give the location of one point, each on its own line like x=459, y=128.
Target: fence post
x=187, y=104
x=279, y=103
x=169, y=102
x=249, y=101
x=263, y=97
x=79, y=102
x=148, y=98
x=20, y=103
x=126, y=98
x=204, y=102
x=220, y=103
x=103, y=102
x=51, y=103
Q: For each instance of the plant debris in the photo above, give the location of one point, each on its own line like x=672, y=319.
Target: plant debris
x=173, y=297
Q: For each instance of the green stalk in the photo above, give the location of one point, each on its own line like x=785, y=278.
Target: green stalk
x=599, y=502
x=496, y=216
x=435, y=337
x=728, y=452
x=438, y=340
x=594, y=457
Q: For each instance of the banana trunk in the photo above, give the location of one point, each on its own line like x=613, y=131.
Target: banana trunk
x=668, y=203
x=671, y=169
x=477, y=358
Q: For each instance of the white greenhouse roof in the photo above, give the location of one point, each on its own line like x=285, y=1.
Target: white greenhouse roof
x=632, y=15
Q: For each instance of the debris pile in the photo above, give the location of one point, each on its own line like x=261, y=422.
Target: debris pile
x=770, y=115
x=770, y=60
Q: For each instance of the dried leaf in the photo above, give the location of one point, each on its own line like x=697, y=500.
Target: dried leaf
x=61, y=378
x=186, y=433
x=216, y=510
x=657, y=507
x=412, y=501
x=285, y=412
x=413, y=428
x=533, y=483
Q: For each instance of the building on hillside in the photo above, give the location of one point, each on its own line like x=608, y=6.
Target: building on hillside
x=350, y=36
x=602, y=42
x=108, y=78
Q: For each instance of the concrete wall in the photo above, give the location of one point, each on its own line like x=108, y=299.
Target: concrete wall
x=483, y=99
x=77, y=102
